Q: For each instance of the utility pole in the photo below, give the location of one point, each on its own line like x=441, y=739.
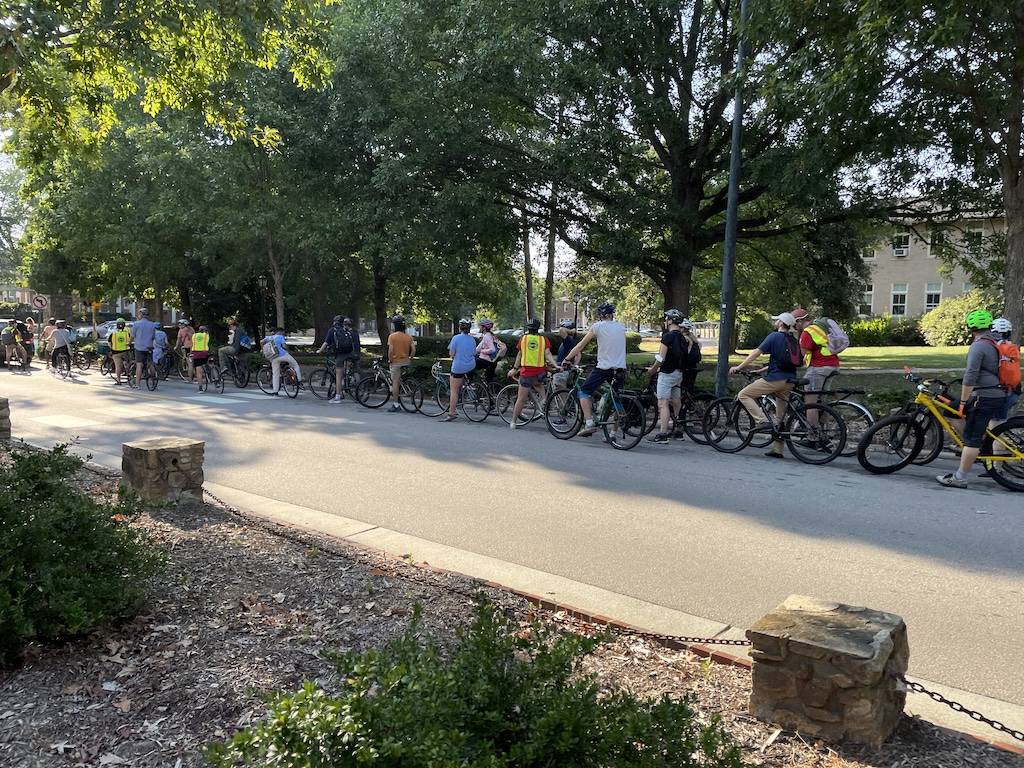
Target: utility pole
x=728, y=308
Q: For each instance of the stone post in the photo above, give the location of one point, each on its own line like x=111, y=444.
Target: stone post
x=163, y=468
x=828, y=670
x=5, y=419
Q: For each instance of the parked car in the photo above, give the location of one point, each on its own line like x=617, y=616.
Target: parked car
x=649, y=333
x=102, y=330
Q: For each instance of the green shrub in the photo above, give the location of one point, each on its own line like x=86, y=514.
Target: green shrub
x=753, y=331
x=944, y=325
x=906, y=332
x=870, y=332
x=500, y=697
x=68, y=564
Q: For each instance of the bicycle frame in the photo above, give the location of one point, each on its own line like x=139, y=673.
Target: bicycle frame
x=935, y=406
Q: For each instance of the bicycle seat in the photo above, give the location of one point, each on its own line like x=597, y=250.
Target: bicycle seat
x=799, y=382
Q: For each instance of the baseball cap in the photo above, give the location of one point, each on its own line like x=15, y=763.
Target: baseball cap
x=800, y=313
x=785, y=317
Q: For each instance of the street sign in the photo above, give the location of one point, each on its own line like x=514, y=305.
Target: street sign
x=40, y=302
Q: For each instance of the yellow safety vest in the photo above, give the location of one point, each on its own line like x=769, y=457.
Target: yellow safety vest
x=201, y=342
x=531, y=351
x=119, y=341
x=818, y=336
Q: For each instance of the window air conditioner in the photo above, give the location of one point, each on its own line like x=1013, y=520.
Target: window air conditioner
x=900, y=253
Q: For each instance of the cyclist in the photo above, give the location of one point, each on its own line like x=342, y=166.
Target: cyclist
x=489, y=351
x=25, y=346
x=691, y=357
x=783, y=349
x=184, y=341
x=44, y=339
x=462, y=348
x=60, y=343
x=982, y=397
x=611, y=360
x=822, y=363
x=401, y=349
x=200, y=353
x=29, y=337
x=343, y=342
x=532, y=361
x=567, y=334
x=283, y=356
x=119, y=340
x=1003, y=329
x=143, y=338
x=159, y=345
x=668, y=365
x=11, y=340
x=236, y=335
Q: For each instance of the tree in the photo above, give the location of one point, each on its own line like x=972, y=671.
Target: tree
x=13, y=215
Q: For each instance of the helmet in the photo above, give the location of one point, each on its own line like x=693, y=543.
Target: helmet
x=533, y=324
x=686, y=324
x=183, y=322
x=202, y=329
x=398, y=321
x=606, y=309
x=120, y=322
x=567, y=324
x=61, y=323
x=346, y=321
x=674, y=316
x=979, y=320
x=1002, y=325
x=486, y=324
x=465, y=324
x=337, y=320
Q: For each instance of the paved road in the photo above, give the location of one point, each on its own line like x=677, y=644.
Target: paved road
x=725, y=537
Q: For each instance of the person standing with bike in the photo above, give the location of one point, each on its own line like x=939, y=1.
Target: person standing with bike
x=567, y=334
x=668, y=367
x=784, y=358
x=982, y=395
x=462, y=348
x=60, y=344
x=532, y=361
x=822, y=363
x=44, y=340
x=611, y=361
x=183, y=343
x=343, y=341
x=119, y=340
x=200, y=354
x=282, y=356
x=489, y=351
x=401, y=350
x=143, y=339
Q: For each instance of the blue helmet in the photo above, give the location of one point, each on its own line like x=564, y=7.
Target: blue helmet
x=606, y=309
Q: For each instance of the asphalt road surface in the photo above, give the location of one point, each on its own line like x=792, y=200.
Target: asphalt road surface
x=679, y=525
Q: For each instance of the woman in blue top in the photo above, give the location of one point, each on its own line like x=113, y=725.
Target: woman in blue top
x=462, y=348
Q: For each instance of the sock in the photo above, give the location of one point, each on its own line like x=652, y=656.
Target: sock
x=590, y=422
x=960, y=475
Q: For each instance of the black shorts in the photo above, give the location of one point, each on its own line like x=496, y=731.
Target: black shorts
x=143, y=356
x=464, y=375
x=983, y=411
x=598, y=376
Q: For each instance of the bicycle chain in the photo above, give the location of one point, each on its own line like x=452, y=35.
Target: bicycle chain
x=956, y=706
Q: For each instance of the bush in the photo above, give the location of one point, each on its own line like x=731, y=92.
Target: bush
x=944, y=325
x=68, y=564
x=502, y=697
x=870, y=332
x=753, y=331
x=906, y=332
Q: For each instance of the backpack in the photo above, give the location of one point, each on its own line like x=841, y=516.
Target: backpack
x=1009, y=364
x=838, y=341
x=269, y=350
x=245, y=342
x=794, y=355
x=341, y=341
x=7, y=335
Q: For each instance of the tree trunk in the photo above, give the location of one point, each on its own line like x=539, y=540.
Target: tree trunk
x=380, y=302
x=549, y=278
x=527, y=267
x=355, y=297
x=1013, y=199
x=185, y=296
x=158, y=303
x=676, y=287
x=322, y=312
x=277, y=275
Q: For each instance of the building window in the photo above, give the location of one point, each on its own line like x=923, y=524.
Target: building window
x=901, y=245
x=867, y=253
x=932, y=296
x=937, y=242
x=866, y=300
x=899, y=299
x=973, y=238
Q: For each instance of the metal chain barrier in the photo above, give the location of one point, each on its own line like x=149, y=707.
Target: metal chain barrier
x=958, y=707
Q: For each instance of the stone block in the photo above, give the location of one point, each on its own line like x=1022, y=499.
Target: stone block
x=829, y=670
x=163, y=468
x=5, y=419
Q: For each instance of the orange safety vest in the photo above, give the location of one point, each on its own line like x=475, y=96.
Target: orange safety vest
x=119, y=341
x=201, y=342
x=531, y=351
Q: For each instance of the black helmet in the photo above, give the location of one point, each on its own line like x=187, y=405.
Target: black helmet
x=674, y=316
x=533, y=324
x=606, y=310
x=399, y=322
x=567, y=324
x=337, y=320
x=465, y=324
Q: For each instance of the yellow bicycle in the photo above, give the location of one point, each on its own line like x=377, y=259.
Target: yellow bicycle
x=891, y=444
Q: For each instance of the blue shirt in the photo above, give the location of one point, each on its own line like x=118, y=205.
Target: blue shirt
x=462, y=348
x=160, y=338
x=566, y=347
x=780, y=367
x=143, y=333
x=279, y=345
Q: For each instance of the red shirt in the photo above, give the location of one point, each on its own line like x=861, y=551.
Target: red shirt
x=818, y=360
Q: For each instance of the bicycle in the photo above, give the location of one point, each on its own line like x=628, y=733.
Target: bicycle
x=238, y=369
x=690, y=417
x=322, y=381
x=212, y=378
x=150, y=375
x=533, y=409
x=434, y=402
x=289, y=379
x=374, y=389
x=856, y=416
x=894, y=442
x=82, y=359
x=619, y=415
x=729, y=427
x=181, y=363
x=62, y=362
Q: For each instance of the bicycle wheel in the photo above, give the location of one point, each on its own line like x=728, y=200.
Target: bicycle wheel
x=181, y=367
x=240, y=373
x=720, y=426
x=215, y=379
x=815, y=443
x=745, y=422
x=652, y=413
x=934, y=437
x=290, y=383
x=150, y=375
x=890, y=444
x=474, y=401
x=83, y=361
x=562, y=413
x=373, y=392
x=321, y=384
x=265, y=379
x=627, y=427
x=410, y=395
x=505, y=404
x=62, y=365
x=692, y=419
x=107, y=367
x=857, y=419
x=1004, y=439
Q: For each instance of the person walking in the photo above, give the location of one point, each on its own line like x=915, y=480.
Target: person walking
x=401, y=350
x=784, y=359
x=982, y=396
x=11, y=340
x=119, y=340
x=462, y=348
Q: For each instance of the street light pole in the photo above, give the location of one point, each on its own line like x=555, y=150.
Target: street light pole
x=262, y=282
x=576, y=297
x=728, y=308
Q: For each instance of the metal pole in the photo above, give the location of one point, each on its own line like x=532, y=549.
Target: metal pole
x=728, y=308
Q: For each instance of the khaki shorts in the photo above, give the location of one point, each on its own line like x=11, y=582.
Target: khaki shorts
x=396, y=369
x=817, y=376
x=667, y=387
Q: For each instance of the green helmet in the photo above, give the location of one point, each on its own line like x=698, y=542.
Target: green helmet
x=979, y=320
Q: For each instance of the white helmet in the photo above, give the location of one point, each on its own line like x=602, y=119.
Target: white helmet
x=686, y=324
x=1002, y=325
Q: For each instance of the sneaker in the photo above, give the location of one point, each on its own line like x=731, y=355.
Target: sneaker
x=335, y=399
x=950, y=481
x=512, y=424
x=661, y=437
x=449, y=417
x=774, y=455
x=395, y=408
x=588, y=430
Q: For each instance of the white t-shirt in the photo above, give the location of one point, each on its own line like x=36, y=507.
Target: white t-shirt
x=611, y=344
